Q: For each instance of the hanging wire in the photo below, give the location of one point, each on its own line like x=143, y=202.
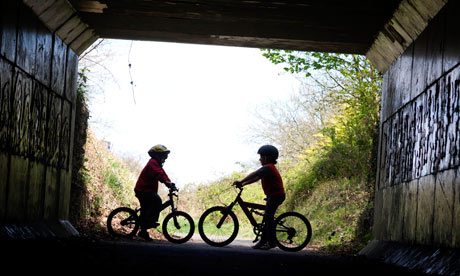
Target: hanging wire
x=130, y=75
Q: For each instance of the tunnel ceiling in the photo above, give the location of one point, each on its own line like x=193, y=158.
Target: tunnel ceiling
x=380, y=29
x=312, y=25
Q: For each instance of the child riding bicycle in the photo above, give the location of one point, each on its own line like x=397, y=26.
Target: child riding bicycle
x=146, y=189
x=272, y=185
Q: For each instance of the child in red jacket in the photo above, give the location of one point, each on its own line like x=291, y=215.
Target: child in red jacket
x=146, y=189
x=273, y=187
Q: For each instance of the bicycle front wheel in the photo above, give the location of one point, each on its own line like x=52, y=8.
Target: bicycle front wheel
x=178, y=227
x=123, y=222
x=218, y=226
x=293, y=231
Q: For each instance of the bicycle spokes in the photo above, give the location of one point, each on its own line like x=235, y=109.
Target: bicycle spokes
x=218, y=226
x=293, y=231
x=122, y=222
x=287, y=232
x=178, y=227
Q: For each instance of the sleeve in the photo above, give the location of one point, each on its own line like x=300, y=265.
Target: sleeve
x=162, y=176
x=264, y=171
x=159, y=173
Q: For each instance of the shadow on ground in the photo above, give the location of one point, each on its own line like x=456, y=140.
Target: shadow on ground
x=82, y=255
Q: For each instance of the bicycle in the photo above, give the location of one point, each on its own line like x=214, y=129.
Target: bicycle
x=177, y=226
x=293, y=230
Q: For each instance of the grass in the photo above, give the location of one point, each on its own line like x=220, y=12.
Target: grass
x=334, y=209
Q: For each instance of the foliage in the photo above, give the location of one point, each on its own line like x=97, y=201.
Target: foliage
x=108, y=183
x=352, y=84
x=294, y=124
x=332, y=178
x=82, y=88
x=335, y=211
x=80, y=174
x=95, y=63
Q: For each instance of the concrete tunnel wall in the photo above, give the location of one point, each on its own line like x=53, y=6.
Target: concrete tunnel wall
x=417, y=199
x=38, y=80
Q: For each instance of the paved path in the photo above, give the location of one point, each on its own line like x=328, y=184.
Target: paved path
x=192, y=258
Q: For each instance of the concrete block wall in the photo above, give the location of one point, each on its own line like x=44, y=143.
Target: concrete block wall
x=38, y=81
x=418, y=183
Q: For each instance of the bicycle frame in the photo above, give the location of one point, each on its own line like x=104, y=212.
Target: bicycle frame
x=218, y=225
x=246, y=206
x=166, y=204
x=169, y=202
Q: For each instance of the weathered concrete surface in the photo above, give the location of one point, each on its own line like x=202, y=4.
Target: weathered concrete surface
x=419, y=155
x=38, y=78
x=444, y=209
x=61, y=229
x=428, y=260
x=417, y=192
x=61, y=18
x=408, y=21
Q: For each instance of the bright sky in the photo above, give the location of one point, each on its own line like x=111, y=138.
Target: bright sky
x=197, y=100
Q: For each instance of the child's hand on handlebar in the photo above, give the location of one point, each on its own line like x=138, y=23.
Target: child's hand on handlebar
x=171, y=186
x=238, y=184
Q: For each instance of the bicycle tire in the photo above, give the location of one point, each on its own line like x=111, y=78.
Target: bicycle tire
x=293, y=231
x=123, y=222
x=214, y=235
x=175, y=233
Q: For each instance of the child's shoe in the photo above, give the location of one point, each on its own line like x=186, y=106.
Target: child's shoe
x=259, y=244
x=268, y=245
x=145, y=235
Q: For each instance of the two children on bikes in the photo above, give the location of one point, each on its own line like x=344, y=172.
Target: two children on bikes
x=147, y=187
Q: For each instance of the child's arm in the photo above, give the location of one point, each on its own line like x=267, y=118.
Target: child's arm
x=251, y=178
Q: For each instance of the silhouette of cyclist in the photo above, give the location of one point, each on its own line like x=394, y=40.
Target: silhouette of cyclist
x=272, y=185
x=146, y=189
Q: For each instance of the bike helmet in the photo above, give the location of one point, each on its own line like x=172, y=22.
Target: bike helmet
x=158, y=150
x=269, y=150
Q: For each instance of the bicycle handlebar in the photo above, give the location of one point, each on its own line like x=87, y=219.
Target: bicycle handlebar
x=172, y=187
x=238, y=185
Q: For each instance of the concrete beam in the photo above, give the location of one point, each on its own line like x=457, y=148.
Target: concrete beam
x=407, y=23
x=61, y=18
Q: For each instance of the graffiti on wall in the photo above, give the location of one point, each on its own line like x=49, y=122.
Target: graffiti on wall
x=34, y=120
x=422, y=137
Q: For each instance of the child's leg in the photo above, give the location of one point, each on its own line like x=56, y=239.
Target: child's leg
x=272, y=205
x=150, y=208
x=156, y=208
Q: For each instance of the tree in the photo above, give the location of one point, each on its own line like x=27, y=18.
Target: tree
x=349, y=85
x=294, y=124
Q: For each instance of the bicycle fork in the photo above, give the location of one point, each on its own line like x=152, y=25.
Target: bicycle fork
x=176, y=223
x=225, y=213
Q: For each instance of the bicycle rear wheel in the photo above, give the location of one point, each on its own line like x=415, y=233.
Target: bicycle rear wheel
x=178, y=227
x=293, y=231
x=123, y=222
x=218, y=226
